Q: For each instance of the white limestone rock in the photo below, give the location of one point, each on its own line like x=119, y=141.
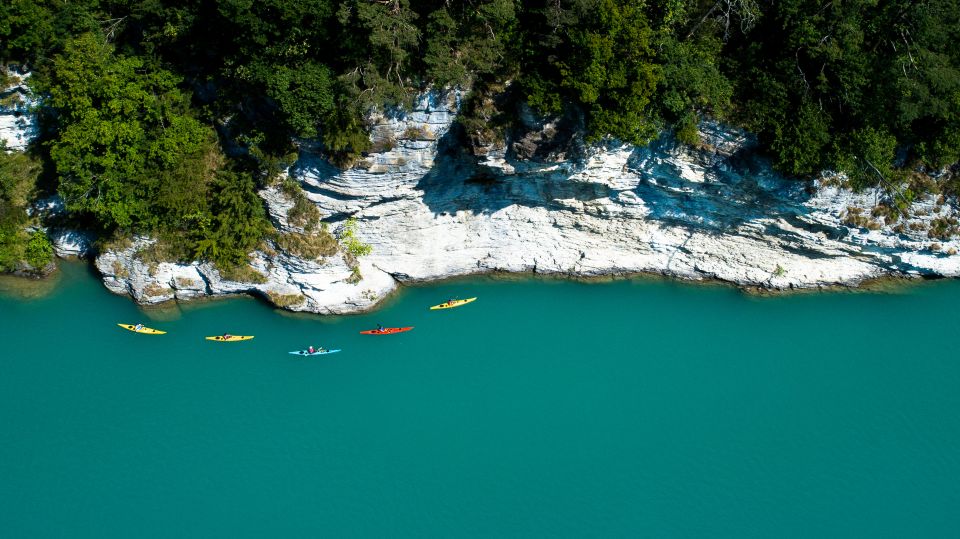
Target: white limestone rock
x=18, y=124
x=695, y=214
x=292, y=283
x=432, y=212
x=70, y=243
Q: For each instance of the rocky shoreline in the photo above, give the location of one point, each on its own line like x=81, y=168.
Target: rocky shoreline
x=433, y=210
x=435, y=205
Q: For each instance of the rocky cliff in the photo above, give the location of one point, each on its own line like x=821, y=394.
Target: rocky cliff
x=17, y=122
x=433, y=210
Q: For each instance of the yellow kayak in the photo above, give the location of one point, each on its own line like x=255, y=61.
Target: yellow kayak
x=144, y=330
x=452, y=304
x=231, y=338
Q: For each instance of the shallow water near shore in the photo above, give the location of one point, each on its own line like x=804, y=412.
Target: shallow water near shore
x=634, y=408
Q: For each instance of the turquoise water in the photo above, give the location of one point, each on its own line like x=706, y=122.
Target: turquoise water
x=544, y=409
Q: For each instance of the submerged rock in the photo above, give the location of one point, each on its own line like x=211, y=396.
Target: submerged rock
x=24, y=269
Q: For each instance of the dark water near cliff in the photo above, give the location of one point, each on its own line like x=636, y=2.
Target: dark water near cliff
x=627, y=409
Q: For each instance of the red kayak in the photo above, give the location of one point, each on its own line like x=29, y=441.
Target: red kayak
x=386, y=331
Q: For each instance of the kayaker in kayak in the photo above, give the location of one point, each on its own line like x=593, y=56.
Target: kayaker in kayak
x=311, y=350
x=381, y=329
x=138, y=327
x=226, y=336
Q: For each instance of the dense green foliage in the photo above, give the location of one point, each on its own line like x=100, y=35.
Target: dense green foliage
x=822, y=79
x=164, y=116
x=18, y=178
x=130, y=154
x=39, y=251
x=122, y=133
x=238, y=220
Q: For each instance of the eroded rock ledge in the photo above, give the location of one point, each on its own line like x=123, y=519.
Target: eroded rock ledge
x=432, y=210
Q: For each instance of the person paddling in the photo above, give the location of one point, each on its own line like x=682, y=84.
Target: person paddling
x=138, y=327
x=226, y=336
x=311, y=349
x=381, y=329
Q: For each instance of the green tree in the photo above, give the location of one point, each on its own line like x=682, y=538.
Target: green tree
x=811, y=75
x=381, y=38
x=612, y=71
x=39, y=251
x=304, y=95
x=116, y=131
x=693, y=83
x=351, y=244
x=18, y=178
x=866, y=156
x=344, y=132
x=799, y=142
x=239, y=221
x=32, y=29
x=465, y=40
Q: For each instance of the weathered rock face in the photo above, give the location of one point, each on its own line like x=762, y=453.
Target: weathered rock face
x=408, y=143
x=70, y=243
x=17, y=122
x=713, y=213
x=323, y=287
x=553, y=140
x=67, y=243
x=432, y=210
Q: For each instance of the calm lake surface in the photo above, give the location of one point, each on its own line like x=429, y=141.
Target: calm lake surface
x=638, y=408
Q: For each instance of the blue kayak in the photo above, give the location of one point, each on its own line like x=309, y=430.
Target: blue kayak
x=317, y=353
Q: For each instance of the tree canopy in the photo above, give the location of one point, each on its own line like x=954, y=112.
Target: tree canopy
x=158, y=110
